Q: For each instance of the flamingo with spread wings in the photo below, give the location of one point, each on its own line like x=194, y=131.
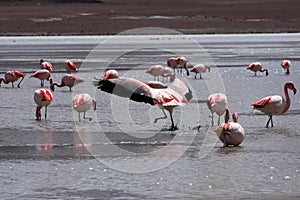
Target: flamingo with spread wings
x=176, y=94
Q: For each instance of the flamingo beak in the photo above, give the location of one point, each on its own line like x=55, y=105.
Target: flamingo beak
x=294, y=90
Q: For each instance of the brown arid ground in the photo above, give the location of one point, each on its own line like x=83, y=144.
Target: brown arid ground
x=54, y=17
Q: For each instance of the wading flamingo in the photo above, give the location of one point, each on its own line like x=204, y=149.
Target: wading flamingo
x=155, y=71
x=11, y=77
x=175, y=62
x=230, y=133
x=275, y=105
x=82, y=103
x=257, y=66
x=42, y=97
x=285, y=64
x=200, y=68
x=70, y=66
x=217, y=103
x=42, y=74
x=46, y=65
x=68, y=80
x=176, y=94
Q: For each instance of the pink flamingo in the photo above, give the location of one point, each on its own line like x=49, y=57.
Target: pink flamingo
x=46, y=65
x=230, y=133
x=257, y=66
x=168, y=98
x=275, y=105
x=82, y=103
x=11, y=77
x=42, y=74
x=155, y=71
x=285, y=64
x=43, y=98
x=178, y=61
x=67, y=80
x=217, y=103
x=200, y=68
x=70, y=66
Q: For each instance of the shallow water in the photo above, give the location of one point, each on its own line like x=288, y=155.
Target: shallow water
x=121, y=153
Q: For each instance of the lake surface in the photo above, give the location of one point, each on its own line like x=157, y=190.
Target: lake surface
x=121, y=153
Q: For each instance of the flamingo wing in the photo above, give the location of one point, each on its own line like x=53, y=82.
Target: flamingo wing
x=262, y=103
x=128, y=88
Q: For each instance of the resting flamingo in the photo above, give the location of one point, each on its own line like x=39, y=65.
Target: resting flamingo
x=67, y=80
x=181, y=61
x=275, y=105
x=230, y=133
x=43, y=98
x=46, y=65
x=285, y=64
x=70, y=66
x=42, y=74
x=257, y=66
x=200, y=68
x=82, y=103
x=217, y=103
x=175, y=95
x=11, y=77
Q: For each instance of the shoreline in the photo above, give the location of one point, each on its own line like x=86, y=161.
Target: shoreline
x=111, y=17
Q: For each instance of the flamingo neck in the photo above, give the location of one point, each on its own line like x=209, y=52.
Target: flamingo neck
x=287, y=101
x=38, y=112
x=4, y=80
x=226, y=117
x=265, y=70
x=94, y=103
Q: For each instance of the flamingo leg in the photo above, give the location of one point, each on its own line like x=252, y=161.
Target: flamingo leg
x=268, y=122
x=164, y=117
x=20, y=82
x=84, y=117
x=195, y=75
x=79, y=116
x=200, y=76
x=42, y=83
x=45, y=112
x=219, y=119
x=225, y=133
x=212, y=119
x=12, y=84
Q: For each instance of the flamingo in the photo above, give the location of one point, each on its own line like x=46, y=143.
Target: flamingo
x=275, y=105
x=155, y=71
x=217, y=103
x=257, y=66
x=230, y=133
x=70, y=66
x=42, y=97
x=175, y=95
x=42, y=74
x=285, y=64
x=82, y=103
x=178, y=61
x=46, y=65
x=200, y=68
x=11, y=77
x=67, y=80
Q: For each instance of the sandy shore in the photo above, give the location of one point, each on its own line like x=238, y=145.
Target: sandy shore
x=114, y=16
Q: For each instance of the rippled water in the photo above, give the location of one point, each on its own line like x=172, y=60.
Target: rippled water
x=121, y=153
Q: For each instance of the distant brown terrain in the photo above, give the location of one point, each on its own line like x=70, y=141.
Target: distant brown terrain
x=102, y=17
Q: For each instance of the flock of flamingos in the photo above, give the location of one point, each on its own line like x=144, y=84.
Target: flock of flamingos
x=166, y=96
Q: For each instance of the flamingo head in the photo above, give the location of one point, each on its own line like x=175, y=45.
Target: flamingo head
x=290, y=85
x=110, y=74
x=235, y=117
